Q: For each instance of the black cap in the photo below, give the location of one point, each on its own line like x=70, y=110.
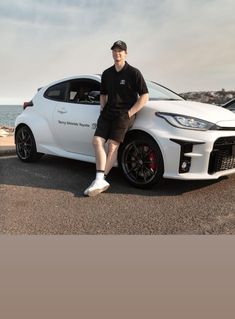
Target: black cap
x=120, y=45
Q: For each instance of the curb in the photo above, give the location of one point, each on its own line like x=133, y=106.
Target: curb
x=7, y=150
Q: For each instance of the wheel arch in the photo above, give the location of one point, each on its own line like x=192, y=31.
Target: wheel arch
x=30, y=148
x=18, y=127
x=38, y=126
x=144, y=180
x=134, y=133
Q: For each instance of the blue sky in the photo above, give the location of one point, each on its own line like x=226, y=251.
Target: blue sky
x=185, y=45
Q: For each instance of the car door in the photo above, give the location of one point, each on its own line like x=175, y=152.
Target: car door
x=75, y=119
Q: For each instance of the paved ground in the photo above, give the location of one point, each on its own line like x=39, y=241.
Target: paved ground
x=47, y=198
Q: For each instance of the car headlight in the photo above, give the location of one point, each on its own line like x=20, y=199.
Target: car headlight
x=186, y=122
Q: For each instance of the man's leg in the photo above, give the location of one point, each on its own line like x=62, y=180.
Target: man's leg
x=112, y=155
x=117, y=134
x=100, y=153
x=99, y=185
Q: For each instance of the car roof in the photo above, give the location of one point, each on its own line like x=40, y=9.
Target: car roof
x=96, y=77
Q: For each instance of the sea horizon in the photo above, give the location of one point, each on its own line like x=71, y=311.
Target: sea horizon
x=11, y=105
x=9, y=113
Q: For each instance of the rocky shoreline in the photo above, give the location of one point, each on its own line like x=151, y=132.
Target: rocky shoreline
x=7, y=141
x=6, y=131
x=211, y=97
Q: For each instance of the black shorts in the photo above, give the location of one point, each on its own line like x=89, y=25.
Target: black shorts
x=114, y=129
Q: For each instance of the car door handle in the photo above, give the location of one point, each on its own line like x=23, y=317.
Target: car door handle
x=62, y=111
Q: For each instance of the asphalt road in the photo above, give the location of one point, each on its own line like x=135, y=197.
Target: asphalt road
x=47, y=198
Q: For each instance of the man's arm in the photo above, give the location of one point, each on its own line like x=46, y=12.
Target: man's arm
x=103, y=101
x=140, y=103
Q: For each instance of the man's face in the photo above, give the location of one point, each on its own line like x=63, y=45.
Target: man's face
x=119, y=55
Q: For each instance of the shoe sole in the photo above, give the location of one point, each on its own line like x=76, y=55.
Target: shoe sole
x=97, y=191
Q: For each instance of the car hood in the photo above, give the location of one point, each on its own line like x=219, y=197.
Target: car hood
x=208, y=112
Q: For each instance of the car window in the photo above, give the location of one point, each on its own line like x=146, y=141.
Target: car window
x=56, y=92
x=84, y=91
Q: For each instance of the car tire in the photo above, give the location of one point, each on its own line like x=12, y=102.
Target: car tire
x=26, y=148
x=140, y=160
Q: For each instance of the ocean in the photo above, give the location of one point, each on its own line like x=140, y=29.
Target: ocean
x=8, y=114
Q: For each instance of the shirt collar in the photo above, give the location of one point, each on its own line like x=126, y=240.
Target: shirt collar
x=123, y=69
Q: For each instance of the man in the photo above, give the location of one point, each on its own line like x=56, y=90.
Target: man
x=123, y=94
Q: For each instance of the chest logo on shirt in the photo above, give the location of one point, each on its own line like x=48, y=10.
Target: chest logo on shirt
x=122, y=82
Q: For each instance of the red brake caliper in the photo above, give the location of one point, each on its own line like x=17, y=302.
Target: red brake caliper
x=153, y=160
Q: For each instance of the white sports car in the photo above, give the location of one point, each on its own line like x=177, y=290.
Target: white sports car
x=170, y=138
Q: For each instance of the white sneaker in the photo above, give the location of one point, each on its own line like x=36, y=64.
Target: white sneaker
x=96, y=187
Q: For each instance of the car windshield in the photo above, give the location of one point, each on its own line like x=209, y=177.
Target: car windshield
x=158, y=92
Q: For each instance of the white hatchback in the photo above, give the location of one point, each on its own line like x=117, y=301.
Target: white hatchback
x=171, y=137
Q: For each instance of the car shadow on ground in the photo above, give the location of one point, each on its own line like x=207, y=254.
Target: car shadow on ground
x=74, y=176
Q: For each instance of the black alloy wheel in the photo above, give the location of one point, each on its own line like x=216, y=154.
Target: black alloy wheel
x=141, y=161
x=25, y=145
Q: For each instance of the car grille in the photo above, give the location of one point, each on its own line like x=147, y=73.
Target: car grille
x=223, y=155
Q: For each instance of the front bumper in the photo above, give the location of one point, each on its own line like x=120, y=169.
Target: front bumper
x=222, y=157
x=196, y=155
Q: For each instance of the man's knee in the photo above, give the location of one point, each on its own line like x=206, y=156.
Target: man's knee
x=98, y=141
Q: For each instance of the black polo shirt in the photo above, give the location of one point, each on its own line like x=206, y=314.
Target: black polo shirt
x=122, y=88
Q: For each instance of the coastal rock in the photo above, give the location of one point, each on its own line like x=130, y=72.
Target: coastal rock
x=211, y=97
x=6, y=131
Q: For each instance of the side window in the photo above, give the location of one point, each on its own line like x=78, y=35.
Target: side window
x=84, y=92
x=56, y=92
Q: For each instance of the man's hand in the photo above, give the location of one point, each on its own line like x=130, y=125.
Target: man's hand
x=140, y=103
